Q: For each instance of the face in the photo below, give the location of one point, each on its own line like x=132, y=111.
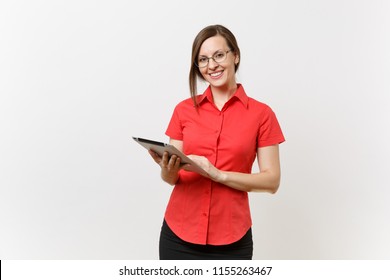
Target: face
x=222, y=74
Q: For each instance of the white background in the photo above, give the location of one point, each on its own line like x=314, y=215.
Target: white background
x=79, y=78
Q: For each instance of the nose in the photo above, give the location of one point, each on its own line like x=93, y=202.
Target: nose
x=212, y=64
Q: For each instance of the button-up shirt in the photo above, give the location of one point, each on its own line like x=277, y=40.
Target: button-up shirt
x=200, y=210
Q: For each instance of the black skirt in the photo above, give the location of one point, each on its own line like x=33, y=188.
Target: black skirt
x=174, y=248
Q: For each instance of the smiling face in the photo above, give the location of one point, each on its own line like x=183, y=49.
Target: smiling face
x=220, y=75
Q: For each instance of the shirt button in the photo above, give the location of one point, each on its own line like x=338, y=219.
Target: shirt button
x=205, y=214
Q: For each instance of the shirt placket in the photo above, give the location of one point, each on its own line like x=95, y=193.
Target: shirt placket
x=206, y=201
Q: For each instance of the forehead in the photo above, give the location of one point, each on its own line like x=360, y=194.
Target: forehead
x=213, y=44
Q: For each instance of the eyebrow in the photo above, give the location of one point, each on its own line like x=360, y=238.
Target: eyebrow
x=220, y=50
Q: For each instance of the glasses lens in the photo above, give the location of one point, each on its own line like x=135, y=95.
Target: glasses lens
x=202, y=61
x=219, y=56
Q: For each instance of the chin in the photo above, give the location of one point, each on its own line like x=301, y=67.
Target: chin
x=218, y=83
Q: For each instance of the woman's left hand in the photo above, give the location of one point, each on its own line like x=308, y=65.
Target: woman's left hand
x=214, y=173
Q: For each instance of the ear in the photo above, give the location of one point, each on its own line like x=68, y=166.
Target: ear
x=236, y=60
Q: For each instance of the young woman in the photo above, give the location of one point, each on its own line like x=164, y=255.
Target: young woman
x=222, y=130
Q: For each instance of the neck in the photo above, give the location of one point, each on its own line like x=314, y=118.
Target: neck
x=222, y=95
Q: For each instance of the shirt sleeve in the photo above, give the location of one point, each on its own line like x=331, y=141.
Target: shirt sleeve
x=175, y=128
x=270, y=132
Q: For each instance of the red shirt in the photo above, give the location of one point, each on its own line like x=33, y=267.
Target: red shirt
x=200, y=210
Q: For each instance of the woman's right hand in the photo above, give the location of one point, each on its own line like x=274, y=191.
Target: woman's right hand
x=170, y=166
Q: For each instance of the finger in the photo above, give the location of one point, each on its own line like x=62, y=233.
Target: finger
x=186, y=167
x=165, y=159
x=172, y=161
x=197, y=159
x=177, y=163
x=155, y=156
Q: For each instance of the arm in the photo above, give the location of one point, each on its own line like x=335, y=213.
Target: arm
x=267, y=180
x=169, y=166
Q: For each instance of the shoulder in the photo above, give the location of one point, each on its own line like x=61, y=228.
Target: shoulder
x=257, y=106
x=185, y=103
x=184, y=107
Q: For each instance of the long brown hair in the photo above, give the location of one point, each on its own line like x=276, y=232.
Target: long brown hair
x=203, y=35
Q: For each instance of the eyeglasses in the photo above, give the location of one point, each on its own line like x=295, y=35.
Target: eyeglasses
x=218, y=57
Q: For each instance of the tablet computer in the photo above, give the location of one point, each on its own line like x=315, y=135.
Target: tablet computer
x=160, y=148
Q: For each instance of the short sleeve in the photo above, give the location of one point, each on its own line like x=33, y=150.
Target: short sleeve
x=270, y=132
x=175, y=128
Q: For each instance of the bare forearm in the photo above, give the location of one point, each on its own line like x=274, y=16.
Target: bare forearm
x=257, y=182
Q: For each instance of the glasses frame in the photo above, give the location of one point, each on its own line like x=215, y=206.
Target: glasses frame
x=212, y=57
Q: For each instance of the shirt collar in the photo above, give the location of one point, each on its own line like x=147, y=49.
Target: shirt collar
x=239, y=94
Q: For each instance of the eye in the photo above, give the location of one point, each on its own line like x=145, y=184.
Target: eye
x=202, y=59
x=219, y=55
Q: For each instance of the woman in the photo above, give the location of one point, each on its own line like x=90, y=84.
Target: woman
x=223, y=130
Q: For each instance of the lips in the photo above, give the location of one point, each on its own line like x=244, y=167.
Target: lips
x=216, y=75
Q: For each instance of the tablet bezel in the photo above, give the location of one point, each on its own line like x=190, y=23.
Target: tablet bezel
x=161, y=147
